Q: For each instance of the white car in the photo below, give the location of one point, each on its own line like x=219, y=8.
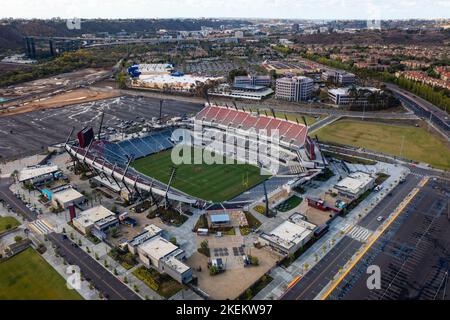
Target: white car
x=380, y=218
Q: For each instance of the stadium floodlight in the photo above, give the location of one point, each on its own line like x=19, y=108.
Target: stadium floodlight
x=320, y=150
x=136, y=188
x=160, y=109
x=304, y=121
x=266, y=198
x=69, y=136
x=101, y=124
x=273, y=112
x=172, y=176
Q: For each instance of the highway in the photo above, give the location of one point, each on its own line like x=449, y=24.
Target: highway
x=111, y=287
x=376, y=156
x=423, y=109
x=322, y=273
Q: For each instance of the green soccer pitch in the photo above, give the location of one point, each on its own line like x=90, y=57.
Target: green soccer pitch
x=215, y=182
x=27, y=276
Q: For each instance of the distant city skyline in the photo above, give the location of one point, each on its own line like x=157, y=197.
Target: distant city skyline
x=277, y=9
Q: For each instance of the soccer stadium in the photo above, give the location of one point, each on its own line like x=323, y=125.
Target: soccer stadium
x=240, y=175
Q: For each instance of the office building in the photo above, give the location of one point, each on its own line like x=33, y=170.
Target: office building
x=294, y=88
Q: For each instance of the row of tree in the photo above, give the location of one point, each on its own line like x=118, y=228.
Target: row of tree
x=438, y=97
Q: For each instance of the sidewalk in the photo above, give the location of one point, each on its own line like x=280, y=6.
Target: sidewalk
x=102, y=249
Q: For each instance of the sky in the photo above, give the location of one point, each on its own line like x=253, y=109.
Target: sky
x=288, y=9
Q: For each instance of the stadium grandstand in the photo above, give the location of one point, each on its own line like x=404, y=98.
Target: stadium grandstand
x=298, y=159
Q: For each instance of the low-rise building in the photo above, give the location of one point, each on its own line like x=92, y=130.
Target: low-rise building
x=66, y=198
x=288, y=237
x=355, y=184
x=148, y=233
x=339, y=77
x=164, y=256
x=344, y=96
x=249, y=92
x=219, y=220
x=98, y=218
x=38, y=174
x=252, y=80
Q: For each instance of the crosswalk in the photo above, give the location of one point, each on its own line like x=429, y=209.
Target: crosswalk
x=359, y=233
x=41, y=226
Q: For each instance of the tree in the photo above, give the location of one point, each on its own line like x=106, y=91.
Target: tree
x=213, y=270
x=173, y=240
x=236, y=73
x=122, y=80
x=204, y=244
x=18, y=238
x=254, y=260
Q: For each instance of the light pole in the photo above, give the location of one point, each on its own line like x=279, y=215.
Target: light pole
x=401, y=148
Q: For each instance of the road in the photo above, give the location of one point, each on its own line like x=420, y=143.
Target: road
x=423, y=109
x=93, y=271
x=103, y=280
x=322, y=273
x=376, y=156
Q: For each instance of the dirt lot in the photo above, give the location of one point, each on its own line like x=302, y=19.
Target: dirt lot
x=52, y=83
x=236, y=279
x=315, y=216
x=61, y=100
x=233, y=282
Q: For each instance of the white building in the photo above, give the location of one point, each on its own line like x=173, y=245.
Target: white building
x=288, y=237
x=294, y=88
x=253, y=80
x=164, y=256
x=355, y=184
x=346, y=79
x=155, y=68
x=182, y=83
x=66, y=198
x=98, y=216
x=37, y=174
x=342, y=96
x=149, y=232
x=248, y=92
x=339, y=77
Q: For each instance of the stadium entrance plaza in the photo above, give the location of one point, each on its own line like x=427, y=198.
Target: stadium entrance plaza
x=236, y=278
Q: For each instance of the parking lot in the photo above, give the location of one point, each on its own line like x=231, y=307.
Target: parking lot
x=32, y=132
x=212, y=68
x=413, y=254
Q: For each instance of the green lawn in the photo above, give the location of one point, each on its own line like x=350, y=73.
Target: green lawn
x=418, y=145
x=27, y=276
x=289, y=204
x=215, y=182
x=161, y=283
x=293, y=116
x=8, y=223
